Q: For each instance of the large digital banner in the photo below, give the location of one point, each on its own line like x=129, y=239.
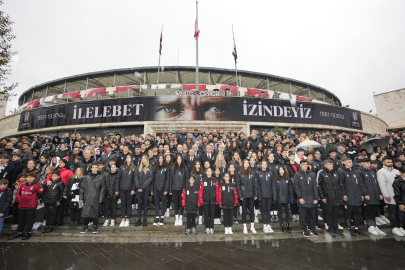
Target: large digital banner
x=186, y=108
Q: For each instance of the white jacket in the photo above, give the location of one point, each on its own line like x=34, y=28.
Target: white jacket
x=385, y=178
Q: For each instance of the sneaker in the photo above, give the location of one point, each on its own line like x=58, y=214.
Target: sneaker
x=332, y=233
x=95, y=229
x=14, y=227
x=372, y=230
x=226, y=230
x=294, y=218
x=119, y=201
x=386, y=220
x=215, y=221
x=36, y=225
x=245, y=231
x=50, y=229
x=144, y=223
x=133, y=207
x=230, y=230
x=272, y=219
x=84, y=230
x=161, y=221
x=317, y=228
x=235, y=221
x=71, y=225
x=112, y=223
x=122, y=224
x=276, y=219
x=208, y=231
x=138, y=223
x=76, y=224
x=379, y=221
x=200, y=220
x=253, y=230
x=90, y=223
x=326, y=226
x=156, y=222
x=402, y=230
x=105, y=223
x=218, y=221
x=319, y=217
x=188, y=231
x=339, y=233
x=126, y=224
x=313, y=233
x=270, y=229
x=193, y=230
x=340, y=227
x=211, y=231
x=256, y=219
x=15, y=236
x=359, y=231
x=26, y=236
x=180, y=222
x=305, y=233
x=397, y=232
x=176, y=223
x=45, y=229
x=352, y=232
x=167, y=213
x=265, y=229
x=380, y=232
x=365, y=222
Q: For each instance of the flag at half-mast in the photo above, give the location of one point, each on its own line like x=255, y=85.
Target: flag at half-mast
x=196, y=31
x=235, y=55
x=160, y=48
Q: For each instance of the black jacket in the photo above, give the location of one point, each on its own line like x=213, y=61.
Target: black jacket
x=178, y=179
x=284, y=191
x=305, y=186
x=53, y=193
x=125, y=179
x=353, y=187
x=399, y=190
x=372, y=189
x=204, y=158
x=330, y=187
x=143, y=180
x=110, y=183
x=6, y=199
x=86, y=165
x=71, y=190
x=237, y=166
x=265, y=183
x=324, y=151
x=290, y=170
x=208, y=188
x=161, y=179
x=246, y=186
x=9, y=173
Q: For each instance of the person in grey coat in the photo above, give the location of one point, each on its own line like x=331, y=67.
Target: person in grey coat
x=306, y=188
x=92, y=192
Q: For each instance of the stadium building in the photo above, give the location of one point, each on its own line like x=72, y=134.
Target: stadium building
x=129, y=101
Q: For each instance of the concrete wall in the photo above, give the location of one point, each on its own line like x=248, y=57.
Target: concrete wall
x=391, y=106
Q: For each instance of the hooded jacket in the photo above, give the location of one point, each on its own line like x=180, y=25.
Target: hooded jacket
x=125, y=179
x=179, y=179
x=143, y=180
x=265, y=183
x=92, y=191
x=65, y=174
x=110, y=183
x=284, y=191
x=305, y=186
x=246, y=186
x=161, y=179
x=353, y=187
x=86, y=165
x=369, y=179
x=399, y=190
x=330, y=187
x=385, y=177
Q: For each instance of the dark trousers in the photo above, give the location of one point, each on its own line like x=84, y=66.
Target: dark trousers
x=217, y=211
x=393, y=214
x=401, y=219
x=169, y=201
x=75, y=214
x=15, y=212
x=257, y=204
x=303, y=213
x=332, y=216
x=191, y=220
x=60, y=212
x=209, y=210
x=159, y=196
x=369, y=214
x=266, y=208
x=381, y=208
x=274, y=206
x=228, y=217
x=201, y=211
x=352, y=213
x=26, y=219
x=294, y=209
x=235, y=212
x=110, y=208
x=323, y=209
x=245, y=203
x=50, y=214
x=178, y=208
x=126, y=203
x=143, y=198
x=86, y=221
x=286, y=207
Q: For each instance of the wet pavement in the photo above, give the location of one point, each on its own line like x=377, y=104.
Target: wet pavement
x=248, y=253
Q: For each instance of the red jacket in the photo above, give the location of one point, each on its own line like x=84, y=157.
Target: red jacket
x=29, y=195
x=191, y=206
x=65, y=175
x=17, y=196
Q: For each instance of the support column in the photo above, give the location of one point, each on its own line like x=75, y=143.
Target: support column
x=240, y=80
x=46, y=92
x=24, y=100
x=87, y=83
x=268, y=85
x=209, y=77
x=144, y=78
x=323, y=96
x=177, y=76
x=309, y=93
x=115, y=76
x=290, y=90
x=32, y=97
x=64, y=89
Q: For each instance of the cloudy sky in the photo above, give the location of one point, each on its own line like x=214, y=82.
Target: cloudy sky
x=352, y=48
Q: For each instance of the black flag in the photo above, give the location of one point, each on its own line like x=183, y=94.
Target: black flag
x=160, y=48
x=235, y=55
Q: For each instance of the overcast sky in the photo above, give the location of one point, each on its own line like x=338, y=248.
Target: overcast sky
x=352, y=48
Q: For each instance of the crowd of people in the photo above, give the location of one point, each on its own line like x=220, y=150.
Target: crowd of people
x=207, y=174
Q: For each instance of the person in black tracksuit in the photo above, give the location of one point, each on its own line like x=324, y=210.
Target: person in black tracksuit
x=160, y=188
x=124, y=189
x=53, y=196
x=142, y=184
x=227, y=199
x=331, y=193
x=110, y=203
x=284, y=197
x=179, y=177
x=71, y=192
x=197, y=173
x=191, y=201
x=208, y=188
x=353, y=192
x=217, y=215
x=306, y=188
x=373, y=193
x=232, y=177
x=247, y=192
x=291, y=167
x=265, y=182
x=399, y=197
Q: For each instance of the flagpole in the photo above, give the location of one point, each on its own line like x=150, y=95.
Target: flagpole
x=197, y=76
x=236, y=68
x=157, y=85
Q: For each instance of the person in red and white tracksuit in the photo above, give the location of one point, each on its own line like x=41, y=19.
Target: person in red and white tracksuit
x=227, y=199
x=191, y=201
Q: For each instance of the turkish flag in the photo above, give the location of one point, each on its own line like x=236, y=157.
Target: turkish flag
x=253, y=92
x=122, y=89
x=202, y=87
x=32, y=104
x=75, y=94
x=96, y=91
x=196, y=31
x=233, y=88
x=304, y=99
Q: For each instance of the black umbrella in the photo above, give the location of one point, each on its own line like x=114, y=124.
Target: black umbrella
x=371, y=143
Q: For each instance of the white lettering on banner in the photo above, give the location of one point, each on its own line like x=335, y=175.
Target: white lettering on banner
x=276, y=111
x=201, y=93
x=332, y=115
x=105, y=111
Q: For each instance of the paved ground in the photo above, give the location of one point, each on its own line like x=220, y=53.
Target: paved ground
x=287, y=253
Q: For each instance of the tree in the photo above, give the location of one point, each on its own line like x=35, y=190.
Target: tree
x=6, y=55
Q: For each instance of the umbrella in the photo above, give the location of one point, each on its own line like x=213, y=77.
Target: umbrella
x=371, y=143
x=304, y=145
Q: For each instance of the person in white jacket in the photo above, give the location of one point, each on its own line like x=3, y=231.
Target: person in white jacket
x=385, y=177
